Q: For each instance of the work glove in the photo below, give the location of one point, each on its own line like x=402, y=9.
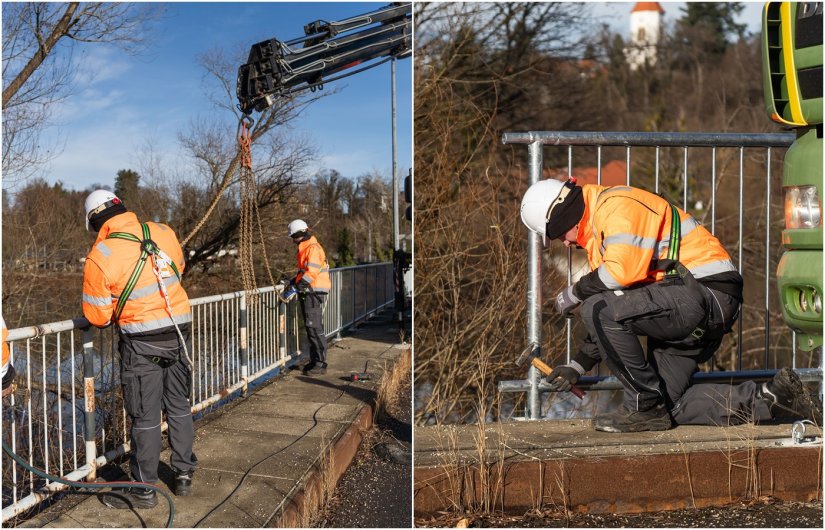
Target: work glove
x=566, y=302
x=565, y=376
x=289, y=294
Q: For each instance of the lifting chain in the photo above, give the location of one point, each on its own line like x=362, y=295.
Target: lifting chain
x=249, y=209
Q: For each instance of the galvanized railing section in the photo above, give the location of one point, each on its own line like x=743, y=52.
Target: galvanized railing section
x=68, y=417
x=632, y=143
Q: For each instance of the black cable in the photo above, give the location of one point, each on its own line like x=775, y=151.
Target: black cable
x=264, y=459
x=94, y=485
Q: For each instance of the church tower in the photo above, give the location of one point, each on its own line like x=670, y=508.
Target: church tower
x=645, y=29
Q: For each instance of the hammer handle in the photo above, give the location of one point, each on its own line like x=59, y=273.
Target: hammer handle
x=546, y=370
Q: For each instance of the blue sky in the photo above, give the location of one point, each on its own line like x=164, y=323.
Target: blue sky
x=130, y=100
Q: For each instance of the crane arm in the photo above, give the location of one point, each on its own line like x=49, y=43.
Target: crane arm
x=278, y=68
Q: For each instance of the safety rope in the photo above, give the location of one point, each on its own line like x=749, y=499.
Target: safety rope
x=247, y=122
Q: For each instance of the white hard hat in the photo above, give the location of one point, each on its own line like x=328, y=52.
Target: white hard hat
x=296, y=226
x=536, y=203
x=97, y=201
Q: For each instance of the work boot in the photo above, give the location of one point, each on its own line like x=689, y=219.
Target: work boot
x=130, y=499
x=626, y=420
x=183, y=483
x=786, y=396
x=307, y=367
x=318, y=369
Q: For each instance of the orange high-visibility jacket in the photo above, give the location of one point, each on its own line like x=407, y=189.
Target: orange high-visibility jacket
x=109, y=266
x=6, y=353
x=313, y=266
x=624, y=229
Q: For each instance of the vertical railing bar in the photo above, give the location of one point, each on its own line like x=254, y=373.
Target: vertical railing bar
x=739, y=268
x=244, y=345
x=685, y=176
x=200, y=339
x=31, y=433
x=793, y=349
x=569, y=321
x=74, y=398
x=627, y=165
x=534, y=286
x=713, y=191
x=14, y=432
x=599, y=165
x=656, y=173
x=90, y=409
x=44, y=395
x=59, y=405
x=768, y=261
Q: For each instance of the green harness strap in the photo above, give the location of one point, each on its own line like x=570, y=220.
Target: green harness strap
x=675, y=241
x=147, y=247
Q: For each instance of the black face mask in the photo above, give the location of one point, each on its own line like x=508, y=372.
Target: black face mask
x=97, y=220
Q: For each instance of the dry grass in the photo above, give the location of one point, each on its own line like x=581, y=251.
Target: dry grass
x=390, y=393
x=318, y=491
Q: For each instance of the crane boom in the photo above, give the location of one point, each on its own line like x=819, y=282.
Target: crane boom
x=278, y=68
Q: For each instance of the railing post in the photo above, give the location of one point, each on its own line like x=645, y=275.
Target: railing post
x=282, y=346
x=535, y=150
x=340, y=318
x=244, y=345
x=90, y=409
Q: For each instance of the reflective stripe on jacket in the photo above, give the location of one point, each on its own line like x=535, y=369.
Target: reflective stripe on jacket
x=109, y=266
x=313, y=266
x=625, y=229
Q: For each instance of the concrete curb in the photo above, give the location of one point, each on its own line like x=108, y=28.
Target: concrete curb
x=343, y=452
x=628, y=484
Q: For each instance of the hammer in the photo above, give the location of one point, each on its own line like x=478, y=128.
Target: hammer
x=542, y=367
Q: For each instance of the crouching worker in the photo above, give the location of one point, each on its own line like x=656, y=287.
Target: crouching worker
x=313, y=284
x=655, y=272
x=131, y=279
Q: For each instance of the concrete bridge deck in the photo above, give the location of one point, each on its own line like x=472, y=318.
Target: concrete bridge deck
x=568, y=465
x=259, y=455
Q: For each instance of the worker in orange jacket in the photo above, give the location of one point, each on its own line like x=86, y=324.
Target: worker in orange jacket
x=672, y=282
x=313, y=284
x=145, y=300
x=7, y=369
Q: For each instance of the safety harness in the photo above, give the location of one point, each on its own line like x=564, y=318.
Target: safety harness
x=674, y=270
x=159, y=259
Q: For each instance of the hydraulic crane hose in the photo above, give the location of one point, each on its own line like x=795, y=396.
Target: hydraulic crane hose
x=94, y=485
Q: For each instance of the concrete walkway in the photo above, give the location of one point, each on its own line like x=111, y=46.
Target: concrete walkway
x=567, y=464
x=257, y=456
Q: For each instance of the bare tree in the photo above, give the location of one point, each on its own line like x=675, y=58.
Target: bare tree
x=39, y=41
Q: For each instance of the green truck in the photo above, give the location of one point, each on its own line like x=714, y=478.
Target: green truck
x=792, y=81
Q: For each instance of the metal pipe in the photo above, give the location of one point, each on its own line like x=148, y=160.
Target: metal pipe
x=89, y=402
x=534, y=285
x=739, y=266
x=768, y=260
x=638, y=139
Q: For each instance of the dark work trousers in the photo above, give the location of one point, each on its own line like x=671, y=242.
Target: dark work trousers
x=668, y=315
x=147, y=390
x=312, y=307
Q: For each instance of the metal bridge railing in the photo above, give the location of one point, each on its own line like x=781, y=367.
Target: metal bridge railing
x=694, y=173
x=68, y=417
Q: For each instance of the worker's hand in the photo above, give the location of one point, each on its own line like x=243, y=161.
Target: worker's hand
x=565, y=376
x=289, y=294
x=566, y=302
